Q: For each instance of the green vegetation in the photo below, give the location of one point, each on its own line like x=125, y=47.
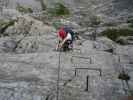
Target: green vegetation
x=95, y=20
x=130, y=92
x=2, y=22
x=131, y=25
x=110, y=24
x=59, y=10
x=130, y=21
x=114, y=34
x=4, y=25
x=24, y=9
x=57, y=24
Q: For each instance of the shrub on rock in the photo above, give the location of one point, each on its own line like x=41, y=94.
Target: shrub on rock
x=59, y=10
x=23, y=9
x=4, y=25
x=114, y=34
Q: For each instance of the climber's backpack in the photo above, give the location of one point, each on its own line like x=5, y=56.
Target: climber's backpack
x=69, y=30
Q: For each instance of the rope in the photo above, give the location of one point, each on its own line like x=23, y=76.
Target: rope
x=58, y=80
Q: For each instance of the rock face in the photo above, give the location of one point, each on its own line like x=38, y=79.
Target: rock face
x=30, y=3
x=110, y=11
x=33, y=76
x=110, y=8
x=104, y=44
x=29, y=65
x=29, y=34
x=30, y=71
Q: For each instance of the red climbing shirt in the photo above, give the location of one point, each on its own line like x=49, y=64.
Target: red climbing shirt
x=62, y=34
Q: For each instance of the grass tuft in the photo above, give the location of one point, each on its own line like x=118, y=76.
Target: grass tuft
x=114, y=34
x=59, y=10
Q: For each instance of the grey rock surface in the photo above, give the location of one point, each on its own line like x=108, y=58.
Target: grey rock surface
x=33, y=76
x=31, y=71
x=125, y=40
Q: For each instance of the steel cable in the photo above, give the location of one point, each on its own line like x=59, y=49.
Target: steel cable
x=58, y=79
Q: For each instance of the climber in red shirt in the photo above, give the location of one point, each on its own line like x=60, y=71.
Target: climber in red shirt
x=65, y=39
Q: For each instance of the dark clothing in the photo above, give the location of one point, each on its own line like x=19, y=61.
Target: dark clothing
x=69, y=30
x=66, y=45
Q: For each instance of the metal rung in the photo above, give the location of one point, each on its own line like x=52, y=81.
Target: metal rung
x=81, y=57
x=87, y=83
x=95, y=69
x=76, y=49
